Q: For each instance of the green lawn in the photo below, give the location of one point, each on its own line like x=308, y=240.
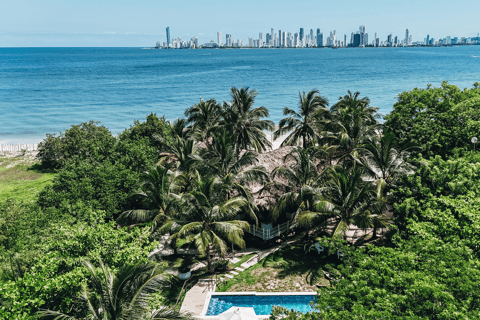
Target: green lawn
x=289, y=270
x=21, y=178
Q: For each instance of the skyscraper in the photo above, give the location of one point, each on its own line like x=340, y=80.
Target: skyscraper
x=168, y=37
x=363, y=36
x=311, y=36
x=344, y=40
x=279, y=38
x=406, y=38
x=318, y=38
x=219, y=38
x=260, y=40
x=284, y=39
x=302, y=35
x=428, y=40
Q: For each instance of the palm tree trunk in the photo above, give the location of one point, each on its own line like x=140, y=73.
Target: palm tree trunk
x=304, y=141
x=374, y=236
x=209, y=260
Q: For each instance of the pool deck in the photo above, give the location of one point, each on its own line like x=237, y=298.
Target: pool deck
x=195, y=298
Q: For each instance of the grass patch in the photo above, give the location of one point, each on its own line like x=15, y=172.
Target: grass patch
x=288, y=269
x=242, y=260
x=21, y=178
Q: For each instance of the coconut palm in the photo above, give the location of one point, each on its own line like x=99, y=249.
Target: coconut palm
x=345, y=197
x=203, y=118
x=236, y=171
x=352, y=106
x=299, y=183
x=158, y=197
x=383, y=160
x=208, y=220
x=303, y=124
x=245, y=122
x=124, y=295
x=351, y=121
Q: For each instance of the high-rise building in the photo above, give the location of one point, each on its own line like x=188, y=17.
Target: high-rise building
x=357, y=39
x=228, y=40
x=389, y=39
x=319, y=44
x=195, y=41
x=311, y=36
x=260, y=40
x=344, y=40
x=363, y=36
x=279, y=38
x=250, y=42
x=407, y=38
x=428, y=40
x=302, y=34
x=168, y=37
x=219, y=38
x=268, y=37
x=284, y=39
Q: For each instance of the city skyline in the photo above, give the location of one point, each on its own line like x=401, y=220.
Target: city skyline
x=122, y=23
x=300, y=39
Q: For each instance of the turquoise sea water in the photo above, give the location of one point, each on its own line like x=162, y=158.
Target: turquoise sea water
x=45, y=90
x=261, y=304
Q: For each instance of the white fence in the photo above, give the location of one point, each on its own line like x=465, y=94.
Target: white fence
x=267, y=234
x=18, y=147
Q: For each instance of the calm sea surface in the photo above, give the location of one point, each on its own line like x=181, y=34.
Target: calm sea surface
x=45, y=90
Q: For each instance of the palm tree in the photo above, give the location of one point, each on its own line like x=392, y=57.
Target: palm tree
x=124, y=295
x=185, y=153
x=345, y=197
x=351, y=121
x=300, y=183
x=383, y=160
x=352, y=106
x=158, y=196
x=208, y=220
x=245, y=122
x=203, y=118
x=302, y=124
x=225, y=162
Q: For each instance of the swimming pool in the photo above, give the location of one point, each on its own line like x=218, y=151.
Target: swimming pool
x=261, y=303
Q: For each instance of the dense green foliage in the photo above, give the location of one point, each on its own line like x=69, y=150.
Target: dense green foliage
x=112, y=196
x=440, y=120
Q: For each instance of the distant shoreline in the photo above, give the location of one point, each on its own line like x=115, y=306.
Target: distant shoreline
x=272, y=48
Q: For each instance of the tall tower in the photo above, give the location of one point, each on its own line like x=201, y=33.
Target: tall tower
x=311, y=36
x=318, y=38
x=406, y=37
x=168, y=37
x=279, y=38
x=219, y=38
x=260, y=40
x=302, y=34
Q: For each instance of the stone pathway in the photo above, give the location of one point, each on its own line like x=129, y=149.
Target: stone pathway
x=196, y=296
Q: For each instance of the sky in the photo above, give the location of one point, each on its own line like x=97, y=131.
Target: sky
x=141, y=23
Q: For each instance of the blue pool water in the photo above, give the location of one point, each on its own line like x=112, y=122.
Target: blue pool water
x=261, y=304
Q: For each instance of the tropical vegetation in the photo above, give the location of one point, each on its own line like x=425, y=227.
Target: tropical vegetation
x=82, y=246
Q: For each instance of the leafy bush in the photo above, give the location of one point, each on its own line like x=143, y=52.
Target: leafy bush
x=88, y=140
x=440, y=120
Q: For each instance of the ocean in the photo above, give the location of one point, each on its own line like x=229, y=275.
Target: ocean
x=46, y=90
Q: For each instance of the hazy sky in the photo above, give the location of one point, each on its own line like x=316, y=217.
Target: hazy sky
x=140, y=23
